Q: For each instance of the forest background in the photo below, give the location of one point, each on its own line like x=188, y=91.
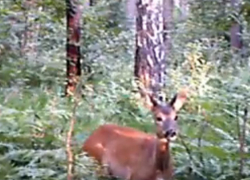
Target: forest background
x=205, y=55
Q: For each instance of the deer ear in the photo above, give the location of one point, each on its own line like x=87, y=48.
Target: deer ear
x=151, y=101
x=179, y=99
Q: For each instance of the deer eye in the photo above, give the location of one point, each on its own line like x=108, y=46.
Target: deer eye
x=158, y=119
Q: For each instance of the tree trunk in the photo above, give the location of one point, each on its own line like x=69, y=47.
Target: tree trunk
x=168, y=7
x=235, y=31
x=236, y=42
x=73, y=13
x=183, y=5
x=130, y=14
x=91, y=2
x=150, y=47
x=30, y=34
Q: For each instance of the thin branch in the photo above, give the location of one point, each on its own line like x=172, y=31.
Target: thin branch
x=69, y=150
x=70, y=154
x=238, y=121
x=202, y=132
x=239, y=134
x=242, y=142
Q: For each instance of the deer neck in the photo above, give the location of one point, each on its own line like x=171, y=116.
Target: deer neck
x=163, y=158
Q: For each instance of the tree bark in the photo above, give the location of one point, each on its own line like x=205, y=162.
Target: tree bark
x=150, y=53
x=73, y=13
x=235, y=31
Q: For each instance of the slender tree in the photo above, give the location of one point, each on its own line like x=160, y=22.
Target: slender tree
x=73, y=13
x=29, y=36
x=235, y=39
x=150, y=53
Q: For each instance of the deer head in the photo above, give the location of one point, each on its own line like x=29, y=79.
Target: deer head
x=165, y=115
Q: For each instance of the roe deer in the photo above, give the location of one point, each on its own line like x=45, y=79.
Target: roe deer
x=131, y=154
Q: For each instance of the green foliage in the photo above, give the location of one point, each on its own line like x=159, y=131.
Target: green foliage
x=34, y=117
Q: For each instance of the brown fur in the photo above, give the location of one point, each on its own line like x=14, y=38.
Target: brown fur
x=130, y=154
x=134, y=155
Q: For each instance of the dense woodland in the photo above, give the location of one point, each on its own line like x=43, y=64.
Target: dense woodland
x=207, y=50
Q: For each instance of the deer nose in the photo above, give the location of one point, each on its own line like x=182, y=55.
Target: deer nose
x=171, y=134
